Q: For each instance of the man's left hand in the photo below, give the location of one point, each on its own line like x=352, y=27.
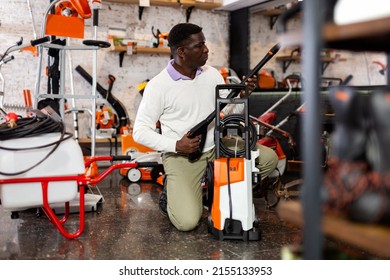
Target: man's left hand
x=251, y=84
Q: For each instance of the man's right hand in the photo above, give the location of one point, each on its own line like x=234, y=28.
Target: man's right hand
x=188, y=145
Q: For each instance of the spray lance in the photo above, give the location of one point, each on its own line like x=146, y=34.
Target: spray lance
x=201, y=128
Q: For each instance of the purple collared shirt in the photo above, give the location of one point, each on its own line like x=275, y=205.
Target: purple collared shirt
x=175, y=75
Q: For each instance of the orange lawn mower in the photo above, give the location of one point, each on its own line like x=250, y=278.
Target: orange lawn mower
x=272, y=188
x=141, y=153
x=136, y=152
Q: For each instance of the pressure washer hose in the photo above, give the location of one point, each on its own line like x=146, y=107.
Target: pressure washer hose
x=237, y=122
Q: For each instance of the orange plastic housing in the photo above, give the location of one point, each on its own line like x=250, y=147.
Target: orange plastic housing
x=236, y=174
x=128, y=144
x=65, y=26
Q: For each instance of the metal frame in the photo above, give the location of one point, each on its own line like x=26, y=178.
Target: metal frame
x=312, y=171
x=62, y=94
x=82, y=181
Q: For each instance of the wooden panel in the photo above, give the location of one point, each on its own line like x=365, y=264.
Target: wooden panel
x=365, y=36
x=139, y=49
x=99, y=140
x=174, y=3
x=374, y=239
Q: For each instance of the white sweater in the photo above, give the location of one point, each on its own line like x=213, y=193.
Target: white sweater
x=179, y=106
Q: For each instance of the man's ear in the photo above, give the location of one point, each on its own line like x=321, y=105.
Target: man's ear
x=180, y=51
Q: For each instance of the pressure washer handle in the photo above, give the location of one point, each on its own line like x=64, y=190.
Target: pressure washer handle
x=256, y=69
x=234, y=87
x=200, y=126
x=272, y=51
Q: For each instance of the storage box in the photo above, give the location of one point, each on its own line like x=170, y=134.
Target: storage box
x=66, y=160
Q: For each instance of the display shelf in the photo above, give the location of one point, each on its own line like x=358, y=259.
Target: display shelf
x=273, y=15
x=374, y=239
x=100, y=140
x=114, y=140
x=188, y=5
x=175, y=3
x=371, y=35
x=140, y=49
x=288, y=59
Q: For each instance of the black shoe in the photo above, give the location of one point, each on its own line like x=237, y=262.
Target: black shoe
x=260, y=189
x=163, y=202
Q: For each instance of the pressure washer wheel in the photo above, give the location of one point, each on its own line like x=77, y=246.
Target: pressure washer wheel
x=134, y=175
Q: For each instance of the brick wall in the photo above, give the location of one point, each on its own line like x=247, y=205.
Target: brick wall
x=16, y=22
x=21, y=73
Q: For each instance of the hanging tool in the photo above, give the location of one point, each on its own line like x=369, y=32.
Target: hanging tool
x=382, y=66
x=114, y=102
x=159, y=38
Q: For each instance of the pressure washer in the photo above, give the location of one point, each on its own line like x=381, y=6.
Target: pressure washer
x=230, y=177
x=232, y=214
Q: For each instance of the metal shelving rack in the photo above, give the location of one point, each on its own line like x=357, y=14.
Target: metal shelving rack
x=312, y=45
x=365, y=36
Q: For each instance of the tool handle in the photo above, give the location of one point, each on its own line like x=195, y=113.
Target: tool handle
x=111, y=80
x=40, y=41
x=148, y=164
x=117, y=158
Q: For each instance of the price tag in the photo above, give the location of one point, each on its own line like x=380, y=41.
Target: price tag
x=130, y=48
x=106, y=115
x=144, y=3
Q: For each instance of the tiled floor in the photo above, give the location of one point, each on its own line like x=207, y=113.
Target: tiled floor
x=128, y=225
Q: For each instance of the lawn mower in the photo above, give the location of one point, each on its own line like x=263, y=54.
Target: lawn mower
x=140, y=153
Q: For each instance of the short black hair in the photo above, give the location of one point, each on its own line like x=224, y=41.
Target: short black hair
x=181, y=32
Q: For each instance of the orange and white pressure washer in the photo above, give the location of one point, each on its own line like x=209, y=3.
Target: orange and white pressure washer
x=232, y=214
